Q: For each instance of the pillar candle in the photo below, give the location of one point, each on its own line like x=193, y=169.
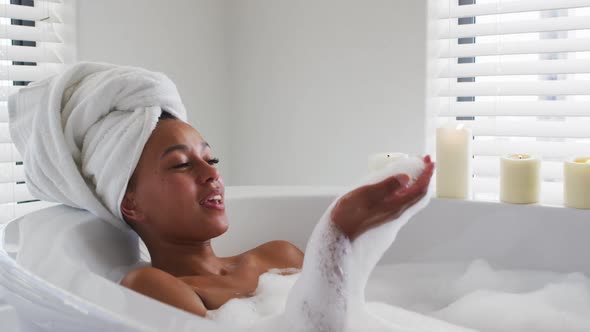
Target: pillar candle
x=520, y=179
x=453, y=162
x=577, y=183
x=379, y=160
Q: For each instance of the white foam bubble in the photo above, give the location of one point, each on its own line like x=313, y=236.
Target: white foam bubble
x=482, y=297
x=440, y=297
x=269, y=300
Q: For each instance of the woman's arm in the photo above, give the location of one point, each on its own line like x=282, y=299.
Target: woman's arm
x=164, y=287
x=347, y=243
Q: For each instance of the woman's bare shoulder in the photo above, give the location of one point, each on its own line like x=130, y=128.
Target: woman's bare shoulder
x=164, y=287
x=280, y=254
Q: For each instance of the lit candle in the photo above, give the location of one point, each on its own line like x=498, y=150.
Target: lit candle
x=378, y=161
x=520, y=179
x=453, y=162
x=576, y=184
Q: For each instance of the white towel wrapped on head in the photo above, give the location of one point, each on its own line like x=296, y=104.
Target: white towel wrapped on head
x=81, y=132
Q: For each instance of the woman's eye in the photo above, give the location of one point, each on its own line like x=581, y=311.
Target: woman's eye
x=181, y=165
x=187, y=164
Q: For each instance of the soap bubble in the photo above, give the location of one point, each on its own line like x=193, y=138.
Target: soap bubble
x=452, y=296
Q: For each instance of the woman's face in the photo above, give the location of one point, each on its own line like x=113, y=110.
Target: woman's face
x=176, y=191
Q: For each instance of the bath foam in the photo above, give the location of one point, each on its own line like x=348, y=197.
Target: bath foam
x=484, y=298
x=262, y=312
x=540, y=311
x=269, y=300
x=328, y=295
x=474, y=295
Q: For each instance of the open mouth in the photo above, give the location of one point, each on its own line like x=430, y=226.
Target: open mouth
x=214, y=201
x=217, y=199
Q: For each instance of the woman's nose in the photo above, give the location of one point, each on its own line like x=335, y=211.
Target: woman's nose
x=209, y=174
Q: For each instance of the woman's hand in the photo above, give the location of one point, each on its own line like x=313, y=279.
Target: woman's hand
x=372, y=205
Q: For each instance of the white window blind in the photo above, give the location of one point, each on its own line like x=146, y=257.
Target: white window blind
x=518, y=74
x=36, y=40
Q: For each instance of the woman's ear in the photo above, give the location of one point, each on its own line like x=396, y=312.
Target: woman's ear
x=130, y=209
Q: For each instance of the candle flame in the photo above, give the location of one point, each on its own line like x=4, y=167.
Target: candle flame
x=460, y=126
x=520, y=156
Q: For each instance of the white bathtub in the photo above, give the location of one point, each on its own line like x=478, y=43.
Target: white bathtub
x=59, y=266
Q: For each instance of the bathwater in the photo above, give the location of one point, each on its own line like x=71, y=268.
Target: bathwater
x=454, y=296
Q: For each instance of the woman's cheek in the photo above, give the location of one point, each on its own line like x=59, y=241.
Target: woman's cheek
x=181, y=185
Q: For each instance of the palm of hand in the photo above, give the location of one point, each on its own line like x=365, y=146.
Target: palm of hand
x=371, y=205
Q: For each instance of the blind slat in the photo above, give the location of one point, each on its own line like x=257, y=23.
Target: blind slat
x=41, y=32
x=455, y=30
x=529, y=127
x=542, y=67
x=508, y=7
x=546, y=149
x=28, y=73
x=515, y=108
x=39, y=12
x=47, y=53
x=3, y=112
x=7, y=212
x=12, y=192
x=454, y=50
x=9, y=153
x=4, y=133
x=534, y=88
x=11, y=173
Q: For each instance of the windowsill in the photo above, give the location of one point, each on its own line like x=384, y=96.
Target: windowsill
x=491, y=202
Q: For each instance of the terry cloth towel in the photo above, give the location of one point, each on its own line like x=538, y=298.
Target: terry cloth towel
x=81, y=132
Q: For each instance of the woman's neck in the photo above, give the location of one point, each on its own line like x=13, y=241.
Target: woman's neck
x=185, y=259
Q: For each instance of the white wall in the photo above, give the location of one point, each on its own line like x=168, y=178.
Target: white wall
x=288, y=92
x=183, y=38
x=318, y=85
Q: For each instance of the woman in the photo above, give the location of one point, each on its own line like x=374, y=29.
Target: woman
x=175, y=202
x=95, y=137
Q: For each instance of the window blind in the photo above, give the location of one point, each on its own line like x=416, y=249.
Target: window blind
x=35, y=42
x=518, y=74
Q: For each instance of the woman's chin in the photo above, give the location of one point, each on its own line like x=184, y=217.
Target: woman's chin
x=218, y=226
x=223, y=227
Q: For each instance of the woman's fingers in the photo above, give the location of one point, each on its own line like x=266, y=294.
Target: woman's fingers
x=408, y=196
x=406, y=193
x=399, y=182
x=403, y=179
x=387, y=187
x=419, y=187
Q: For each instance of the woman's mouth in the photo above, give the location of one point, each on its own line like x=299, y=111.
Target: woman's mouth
x=214, y=202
